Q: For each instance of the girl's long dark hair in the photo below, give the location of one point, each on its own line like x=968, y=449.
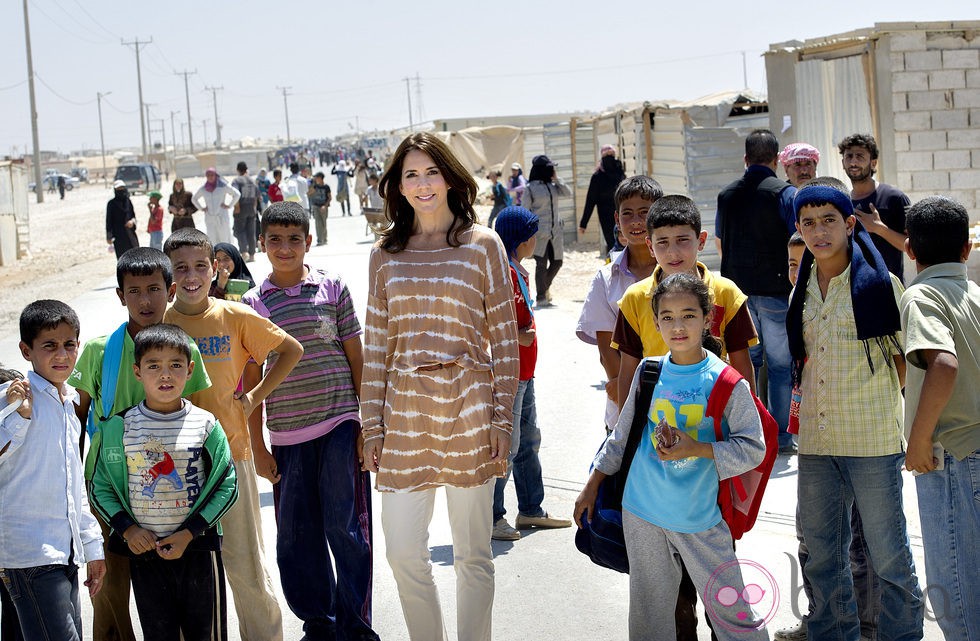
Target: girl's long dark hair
x=690, y=284
x=461, y=194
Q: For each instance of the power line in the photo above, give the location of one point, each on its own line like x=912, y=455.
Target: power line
x=96, y=22
x=62, y=27
x=127, y=112
x=58, y=95
x=588, y=69
x=14, y=86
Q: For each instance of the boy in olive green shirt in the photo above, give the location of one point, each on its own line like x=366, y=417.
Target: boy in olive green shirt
x=940, y=312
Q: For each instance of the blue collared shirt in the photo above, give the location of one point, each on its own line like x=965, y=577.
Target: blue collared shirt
x=44, y=513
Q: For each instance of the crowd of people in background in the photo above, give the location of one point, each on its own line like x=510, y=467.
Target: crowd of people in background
x=809, y=310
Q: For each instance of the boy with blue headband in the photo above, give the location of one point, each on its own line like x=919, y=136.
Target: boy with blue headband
x=845, y=339
x=517, y=227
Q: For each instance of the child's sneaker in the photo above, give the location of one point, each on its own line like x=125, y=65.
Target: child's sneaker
x=794, y=633
x=502, y=531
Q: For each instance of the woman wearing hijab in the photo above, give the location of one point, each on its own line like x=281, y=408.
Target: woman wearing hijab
x=608, y=174
x=230, y=264
x=216, y=199
x=541, y=196
x=181, y=206
x=120, y=220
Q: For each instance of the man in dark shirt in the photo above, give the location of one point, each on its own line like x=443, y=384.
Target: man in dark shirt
x=880, y=207
x=754, y=221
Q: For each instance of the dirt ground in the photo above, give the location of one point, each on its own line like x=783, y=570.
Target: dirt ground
x=69, y=254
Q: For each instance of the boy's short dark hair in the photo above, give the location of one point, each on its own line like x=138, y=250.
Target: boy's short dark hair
x=761, y=147
x=866, y=141
x=643, y=187
x=796, y=240
x=938, y=229
x=161, y=336
x=144, y=261
x=188, y=237
x=286, y=214
x=319, y=174
x=46, y=314
x=294, y=167
x=277, y=173
x=241, y=166
x=674, y=210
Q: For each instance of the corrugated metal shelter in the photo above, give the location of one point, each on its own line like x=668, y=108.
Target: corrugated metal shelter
x=914, y=86
x=15, y=237
x=693, y=148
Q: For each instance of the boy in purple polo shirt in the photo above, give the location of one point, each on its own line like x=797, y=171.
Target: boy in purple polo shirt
x=320, y=492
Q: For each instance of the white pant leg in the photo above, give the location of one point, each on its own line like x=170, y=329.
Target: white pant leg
x=405, y=519
x=471, y=520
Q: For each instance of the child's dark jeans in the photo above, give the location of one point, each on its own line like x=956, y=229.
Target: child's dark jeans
x=46, y=600
x=181, y=596
x=323, y=508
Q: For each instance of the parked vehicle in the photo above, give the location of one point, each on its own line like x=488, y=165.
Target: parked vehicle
x=50, y=182
x=139, y=177
x=81, y=173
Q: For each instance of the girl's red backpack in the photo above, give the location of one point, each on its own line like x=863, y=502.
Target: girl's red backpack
x=739, y=497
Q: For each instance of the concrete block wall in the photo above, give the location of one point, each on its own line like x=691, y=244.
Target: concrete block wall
x=935, y=92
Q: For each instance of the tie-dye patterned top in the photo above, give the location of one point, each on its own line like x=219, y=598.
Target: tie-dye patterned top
x=440, y=361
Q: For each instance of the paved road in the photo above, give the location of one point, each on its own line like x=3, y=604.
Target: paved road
x=545, y=588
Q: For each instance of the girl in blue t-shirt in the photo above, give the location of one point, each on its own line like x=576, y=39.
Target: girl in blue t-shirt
x=670, y=504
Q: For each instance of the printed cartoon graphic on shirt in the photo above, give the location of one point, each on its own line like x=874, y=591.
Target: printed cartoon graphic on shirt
x=165, y=480
x=681, y=409
x=161, y=466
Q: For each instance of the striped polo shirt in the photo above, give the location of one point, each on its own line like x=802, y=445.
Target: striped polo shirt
x=319, y=393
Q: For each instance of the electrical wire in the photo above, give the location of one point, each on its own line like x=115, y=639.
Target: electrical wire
x=96, y=22
x=14, y=86
x=586, y=69
x=62, y=27
x=58, y=95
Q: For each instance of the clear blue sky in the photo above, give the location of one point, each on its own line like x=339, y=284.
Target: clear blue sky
x=343, y=60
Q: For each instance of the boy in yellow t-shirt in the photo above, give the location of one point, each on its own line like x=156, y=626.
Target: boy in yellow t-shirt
x=675, y=237
x=228, y=334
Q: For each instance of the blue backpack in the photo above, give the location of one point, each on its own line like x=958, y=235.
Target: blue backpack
x=601, y=539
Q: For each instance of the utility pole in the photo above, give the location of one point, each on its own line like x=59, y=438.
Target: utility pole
x=745, y=72
x=149, y=133
x=205, y=123
x=98, y=99
x=418, y=96
x=217, y=123
x=408, y=93
x=38, y=188
x=173, y=135
x=187, y=96
x=136, y=44
x=163, y=137
x=285, y=105
x=182, y=125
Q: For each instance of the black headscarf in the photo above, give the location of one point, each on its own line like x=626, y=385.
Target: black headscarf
x=241, y=269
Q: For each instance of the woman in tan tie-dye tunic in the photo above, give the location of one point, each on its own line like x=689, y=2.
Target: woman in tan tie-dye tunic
x=440, y=373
